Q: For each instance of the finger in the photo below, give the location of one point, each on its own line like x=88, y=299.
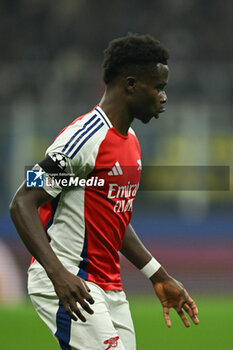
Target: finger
x=191, y=314
x=88, y=297
x=76, y=310
x=183, y=318
x=85, y=285
x=192, y=304
x=167, y=317
x=69, y=312
x=188, y=310
x=85, y=294
x=85, y=306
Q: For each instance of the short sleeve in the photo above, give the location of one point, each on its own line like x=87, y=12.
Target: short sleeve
x=76, y=147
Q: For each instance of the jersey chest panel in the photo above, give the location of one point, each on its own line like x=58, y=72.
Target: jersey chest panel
x=108, y=208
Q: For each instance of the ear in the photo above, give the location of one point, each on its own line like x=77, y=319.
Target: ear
x=130, y=85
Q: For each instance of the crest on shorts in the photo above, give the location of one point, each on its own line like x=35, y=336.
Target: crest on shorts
x=112, y=342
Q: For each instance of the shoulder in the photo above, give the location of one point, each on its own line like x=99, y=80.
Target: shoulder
x=83, y=133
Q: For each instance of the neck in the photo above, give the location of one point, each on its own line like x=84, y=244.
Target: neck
x=114, y=105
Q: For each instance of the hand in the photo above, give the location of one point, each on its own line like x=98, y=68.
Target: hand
x=172, y=294
x=71, y=289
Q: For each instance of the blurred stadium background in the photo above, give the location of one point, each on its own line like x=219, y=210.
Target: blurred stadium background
x=50, y=72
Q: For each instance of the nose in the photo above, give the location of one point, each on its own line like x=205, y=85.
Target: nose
x=163, y=97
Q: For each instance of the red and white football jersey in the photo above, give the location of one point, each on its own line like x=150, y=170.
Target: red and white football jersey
x=86, y=224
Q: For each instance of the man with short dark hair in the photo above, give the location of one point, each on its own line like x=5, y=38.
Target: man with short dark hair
x=79, y=230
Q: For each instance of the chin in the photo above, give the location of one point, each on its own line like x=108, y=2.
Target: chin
x=145, y=119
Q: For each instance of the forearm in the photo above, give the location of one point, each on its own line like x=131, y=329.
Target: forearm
x=134, y=250
x=24, y=214
x=170, y=292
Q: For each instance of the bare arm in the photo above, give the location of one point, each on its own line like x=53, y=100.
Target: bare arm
x=169, y=291
x=24, y=213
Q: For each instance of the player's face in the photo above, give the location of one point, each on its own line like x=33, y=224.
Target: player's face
x=149, y=96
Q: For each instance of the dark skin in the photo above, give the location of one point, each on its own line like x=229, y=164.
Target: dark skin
x=69, y=288
x=141, y=96
x=170, y=292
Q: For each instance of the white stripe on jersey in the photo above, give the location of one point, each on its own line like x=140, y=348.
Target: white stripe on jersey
x=103, y=116
x=75, y=136
x=117, y=165
x=88, y=134
x=81, y=136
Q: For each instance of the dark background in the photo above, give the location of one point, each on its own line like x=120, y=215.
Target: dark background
x=51, y=54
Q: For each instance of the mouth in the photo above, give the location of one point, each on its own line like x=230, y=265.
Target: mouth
x=161, y=110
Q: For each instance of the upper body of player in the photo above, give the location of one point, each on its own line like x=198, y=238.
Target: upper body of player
x=86, y=224
x=87, y=227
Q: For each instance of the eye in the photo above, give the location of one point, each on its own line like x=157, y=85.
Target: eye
x=160, y=87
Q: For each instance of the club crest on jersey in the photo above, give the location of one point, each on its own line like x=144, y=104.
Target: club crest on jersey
x=112, y=342
x=116, y=170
